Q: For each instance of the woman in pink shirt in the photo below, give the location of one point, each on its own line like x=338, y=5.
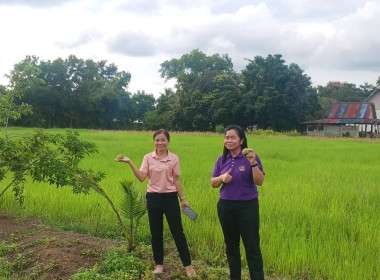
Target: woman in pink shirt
x=161, y=167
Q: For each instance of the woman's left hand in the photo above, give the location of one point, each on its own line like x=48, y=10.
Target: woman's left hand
x=251, y=156
x=184, y=203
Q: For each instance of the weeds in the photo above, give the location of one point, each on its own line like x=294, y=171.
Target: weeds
x=91, y=253
x=5, y=268
x=43, y=241
x=6, y=249
x=118, y=264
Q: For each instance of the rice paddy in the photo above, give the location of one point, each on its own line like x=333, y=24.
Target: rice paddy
x=319, y=205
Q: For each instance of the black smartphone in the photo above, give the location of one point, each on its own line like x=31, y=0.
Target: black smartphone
x=190, y=213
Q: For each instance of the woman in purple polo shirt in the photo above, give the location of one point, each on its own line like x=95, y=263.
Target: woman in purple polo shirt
x=163, y=189
x=238, y=206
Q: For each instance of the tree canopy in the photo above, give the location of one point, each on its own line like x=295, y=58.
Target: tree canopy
x=209, y=92
x=78, y=93
x=279, y=96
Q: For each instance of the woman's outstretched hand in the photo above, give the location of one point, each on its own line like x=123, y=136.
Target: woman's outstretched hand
x=121, y=158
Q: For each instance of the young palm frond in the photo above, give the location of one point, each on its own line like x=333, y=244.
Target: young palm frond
x=132, y=208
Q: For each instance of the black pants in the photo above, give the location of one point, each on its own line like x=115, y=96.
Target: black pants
x=241, y=218
x=159, y=204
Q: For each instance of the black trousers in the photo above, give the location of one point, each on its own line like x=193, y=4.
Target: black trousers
x=159, y=204
x=241, y=218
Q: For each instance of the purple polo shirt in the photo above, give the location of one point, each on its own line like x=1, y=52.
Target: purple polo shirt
x=241, y=186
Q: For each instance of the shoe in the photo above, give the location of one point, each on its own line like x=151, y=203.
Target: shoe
x=159, y=269
x=190, y=271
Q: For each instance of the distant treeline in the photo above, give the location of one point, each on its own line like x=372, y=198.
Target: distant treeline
x=79, y=93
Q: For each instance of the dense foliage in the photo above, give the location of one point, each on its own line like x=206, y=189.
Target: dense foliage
x=43, y=157
x=277, y=96
x=208, y=93
x=77, y=93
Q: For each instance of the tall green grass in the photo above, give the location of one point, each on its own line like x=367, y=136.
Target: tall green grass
x=319, y=205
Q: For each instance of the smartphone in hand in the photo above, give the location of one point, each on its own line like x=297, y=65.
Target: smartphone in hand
x=190, y=213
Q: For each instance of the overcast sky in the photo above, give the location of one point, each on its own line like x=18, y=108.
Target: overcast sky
x=331, y=40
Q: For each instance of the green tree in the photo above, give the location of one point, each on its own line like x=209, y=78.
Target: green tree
x=367, y=89
x=112, y=104
x=345, y=92
x=3, y=89
x=43, y=157
x=277, y=96
x=23, y=77
x=194, y=74
x=227, y=105
x=49, y=99
x=142, y=103
x=84, y=82
x=193, y=64
x=162, y=115
x=77, y=93
x=124, y=114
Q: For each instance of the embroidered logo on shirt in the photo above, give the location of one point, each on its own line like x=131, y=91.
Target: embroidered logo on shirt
x=242, y=168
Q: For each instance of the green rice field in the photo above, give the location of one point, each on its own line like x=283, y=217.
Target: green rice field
x=319, y=204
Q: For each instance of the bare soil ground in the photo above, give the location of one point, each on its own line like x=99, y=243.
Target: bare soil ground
x=46, y=252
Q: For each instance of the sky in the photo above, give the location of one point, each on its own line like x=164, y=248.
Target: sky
x=331, y=40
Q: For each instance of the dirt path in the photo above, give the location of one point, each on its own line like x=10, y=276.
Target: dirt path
x=45, y=252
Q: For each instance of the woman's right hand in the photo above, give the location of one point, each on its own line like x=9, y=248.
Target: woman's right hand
x=139, y=174
x=121, y=158
x=226, y=177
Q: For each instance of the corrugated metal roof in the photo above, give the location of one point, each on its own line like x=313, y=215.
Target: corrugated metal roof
x=351, y=111
x=344, y=121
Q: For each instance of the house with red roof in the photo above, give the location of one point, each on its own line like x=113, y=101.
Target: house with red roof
x=347, y=119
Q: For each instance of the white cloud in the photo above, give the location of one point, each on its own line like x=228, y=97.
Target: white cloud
x=132, y=44
x=330, y=40
x=354, y=44
x=35, y=3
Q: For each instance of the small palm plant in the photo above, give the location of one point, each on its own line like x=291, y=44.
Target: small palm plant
x=132, y=208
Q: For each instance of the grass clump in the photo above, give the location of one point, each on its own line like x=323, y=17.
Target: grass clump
x=6, y=248
x=118, y=264
x=5, y=268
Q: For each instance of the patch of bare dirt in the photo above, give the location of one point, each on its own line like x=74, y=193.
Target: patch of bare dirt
x=45, y=253
x=48, y=253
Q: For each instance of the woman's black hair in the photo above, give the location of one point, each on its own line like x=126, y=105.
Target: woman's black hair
x=162, y=131
x=241, y=133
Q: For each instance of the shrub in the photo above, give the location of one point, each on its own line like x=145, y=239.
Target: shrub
x=118, y=260
x=118, y=264
x=89, y=274
x=219, y=129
